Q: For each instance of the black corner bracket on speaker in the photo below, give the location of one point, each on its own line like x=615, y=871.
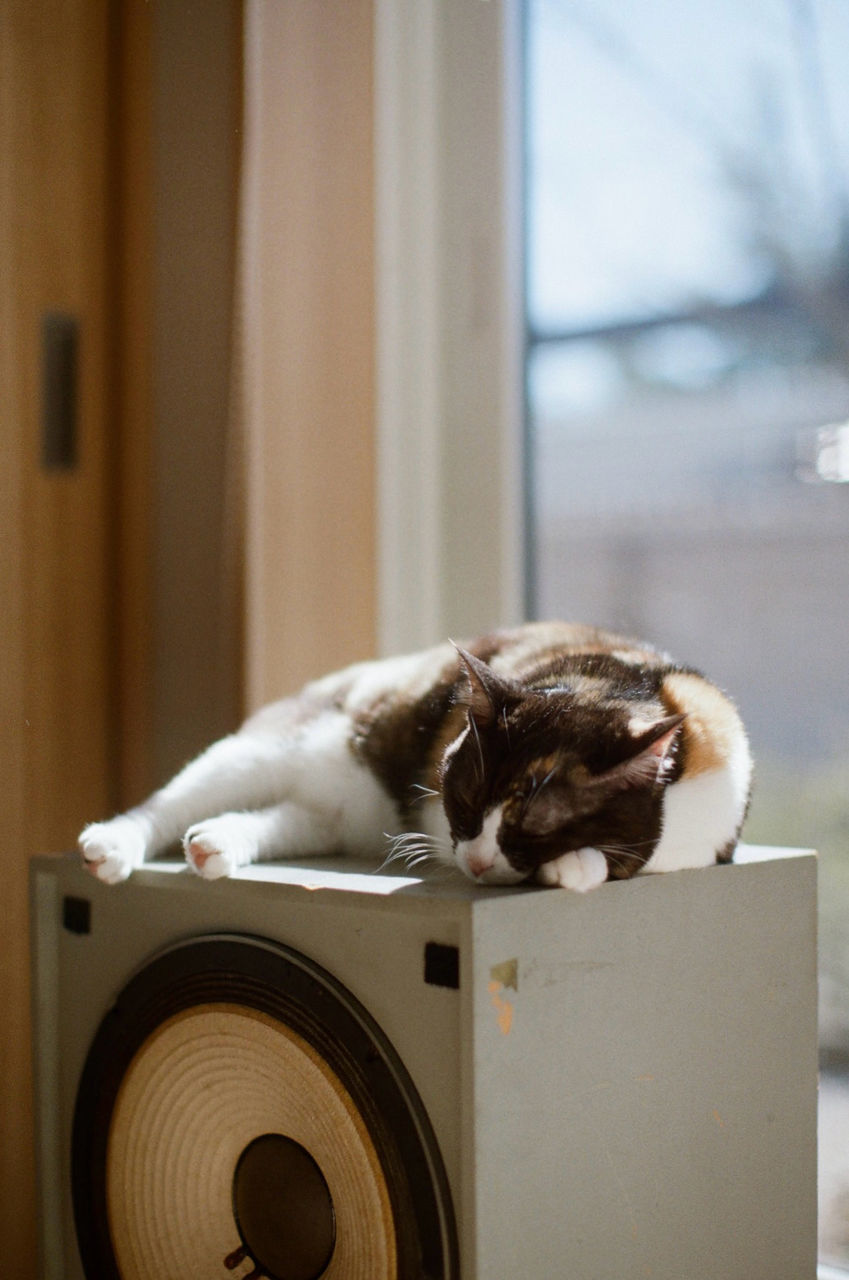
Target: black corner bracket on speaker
x=442, y=965
x=279, y=984
x=76, y=914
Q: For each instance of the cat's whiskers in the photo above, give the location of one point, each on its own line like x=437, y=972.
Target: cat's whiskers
x=413, y=848
x=425, y=793
x=415, y=859
x=544, y=782
x=618, y=853
x=536, y=788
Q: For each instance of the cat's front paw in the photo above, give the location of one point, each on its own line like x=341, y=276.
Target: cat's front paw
x=582, y=870
x=219, y=846
x=112, y=850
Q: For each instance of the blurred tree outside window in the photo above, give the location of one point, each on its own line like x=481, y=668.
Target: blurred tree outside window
x=688, y=393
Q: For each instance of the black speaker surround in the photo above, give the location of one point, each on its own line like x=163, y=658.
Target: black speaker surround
x=252, y=974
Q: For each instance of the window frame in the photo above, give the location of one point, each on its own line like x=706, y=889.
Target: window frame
x=449, y=320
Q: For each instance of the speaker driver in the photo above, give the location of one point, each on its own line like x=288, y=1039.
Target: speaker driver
x=240, y=1113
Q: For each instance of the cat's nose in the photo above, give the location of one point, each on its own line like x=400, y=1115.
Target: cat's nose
x=478, y=863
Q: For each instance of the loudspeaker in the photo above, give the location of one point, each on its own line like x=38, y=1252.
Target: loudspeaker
x=313, y=1072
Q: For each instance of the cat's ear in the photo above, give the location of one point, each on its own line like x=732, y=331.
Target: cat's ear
x=657, y=737
x=646, y=765
x=486, y=693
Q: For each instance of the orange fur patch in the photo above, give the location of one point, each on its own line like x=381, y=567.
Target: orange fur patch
x=712, y=727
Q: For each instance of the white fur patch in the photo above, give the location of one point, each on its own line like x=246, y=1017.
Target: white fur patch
x=701, y=814
x=580, y=871
x=347, y=802
x=454, y=746
x=639, y=724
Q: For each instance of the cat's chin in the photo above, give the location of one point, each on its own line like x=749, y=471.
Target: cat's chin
x=494, y=876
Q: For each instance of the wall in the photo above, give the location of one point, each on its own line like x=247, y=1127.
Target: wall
x=308, y=341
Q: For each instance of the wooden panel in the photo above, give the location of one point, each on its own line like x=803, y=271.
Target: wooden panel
x=134, y=405
x=54, y=567
x=177, y=102
x=196, y=119
x=308, y=341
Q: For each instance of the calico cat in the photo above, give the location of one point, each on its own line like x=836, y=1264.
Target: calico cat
x=554, y=752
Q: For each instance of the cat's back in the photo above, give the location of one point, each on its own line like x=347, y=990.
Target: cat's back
x=517, y=652
x=524, y=654
x=522, y=651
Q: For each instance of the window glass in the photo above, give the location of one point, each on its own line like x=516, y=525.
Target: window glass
x=688, y=390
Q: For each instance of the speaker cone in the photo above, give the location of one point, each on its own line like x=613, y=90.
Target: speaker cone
x=240, y=1113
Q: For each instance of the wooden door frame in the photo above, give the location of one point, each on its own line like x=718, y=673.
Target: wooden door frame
x=55, y=679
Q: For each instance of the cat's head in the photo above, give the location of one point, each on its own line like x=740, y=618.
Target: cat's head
x=536, y=774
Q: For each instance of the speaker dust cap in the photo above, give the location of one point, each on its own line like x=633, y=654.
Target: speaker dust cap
x=240, y=1114
x=283, y=1209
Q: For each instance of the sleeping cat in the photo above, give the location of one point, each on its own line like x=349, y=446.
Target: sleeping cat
x=554, y=752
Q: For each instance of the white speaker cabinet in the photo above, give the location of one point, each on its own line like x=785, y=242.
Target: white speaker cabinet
x=493, y=1084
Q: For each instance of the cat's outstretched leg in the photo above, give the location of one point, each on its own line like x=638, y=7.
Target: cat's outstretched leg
x=245, y=769
x=284, y=785
x=218, y=846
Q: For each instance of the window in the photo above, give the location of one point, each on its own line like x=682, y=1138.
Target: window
x=688, y=388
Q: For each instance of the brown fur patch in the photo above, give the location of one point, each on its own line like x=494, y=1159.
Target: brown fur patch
x=402, y=739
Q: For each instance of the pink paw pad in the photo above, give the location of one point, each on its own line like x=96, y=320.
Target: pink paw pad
x=198, y=855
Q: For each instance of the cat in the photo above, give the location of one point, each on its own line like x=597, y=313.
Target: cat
x=555, y=753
